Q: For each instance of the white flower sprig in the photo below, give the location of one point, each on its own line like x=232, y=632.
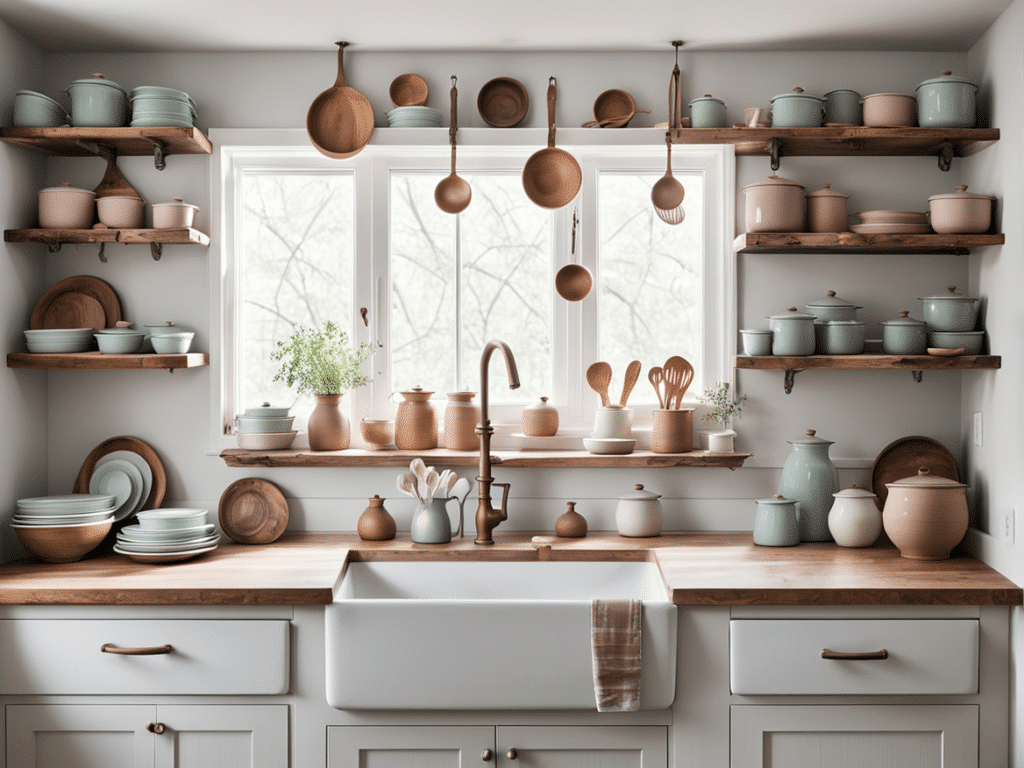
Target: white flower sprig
x=423, y=482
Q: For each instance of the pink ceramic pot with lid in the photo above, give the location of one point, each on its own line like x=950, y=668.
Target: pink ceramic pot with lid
x=775, y=204
x=925, y=515
x=826, y=210
x=960, y=212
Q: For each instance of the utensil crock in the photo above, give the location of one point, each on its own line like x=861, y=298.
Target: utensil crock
x=672, y=430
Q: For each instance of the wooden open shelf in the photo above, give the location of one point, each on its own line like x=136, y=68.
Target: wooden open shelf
x=237, y=457
x=180, y=235
x=66, y=142
x=97, y=361
x=851, y=242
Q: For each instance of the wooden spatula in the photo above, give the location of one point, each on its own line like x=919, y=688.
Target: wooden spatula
x=657, y=377
x=632, y=374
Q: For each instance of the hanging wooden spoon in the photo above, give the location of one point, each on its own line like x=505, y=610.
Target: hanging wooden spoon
x=453, y=194
x=599, y=377
x=632, y=374
x=657, y=377
x=667, y=193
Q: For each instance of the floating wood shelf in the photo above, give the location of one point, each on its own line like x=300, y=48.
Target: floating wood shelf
x=97, y=361
x=73, y=142
x=850, y=242
x=914, y=363
x=156, y=238
x=237, y=457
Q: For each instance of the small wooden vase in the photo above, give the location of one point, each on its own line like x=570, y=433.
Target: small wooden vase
x=571, y=525
x=376, y=523
x=328, y=426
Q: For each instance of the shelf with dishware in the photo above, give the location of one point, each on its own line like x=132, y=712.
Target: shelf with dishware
x=852, y=242
x=75, y=142
x=156, y=238
x=64, y=361
x=237, y=457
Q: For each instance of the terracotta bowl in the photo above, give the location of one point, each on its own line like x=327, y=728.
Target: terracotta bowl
x=503, y=102
x=62, y=543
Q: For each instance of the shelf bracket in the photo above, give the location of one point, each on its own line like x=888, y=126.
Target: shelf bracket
x=918, y=375
x=774, y=151
x=946, y=156
x=159, y=158
x=789, y=380
x=103, y=256
x=53, y=247
x=157, y=250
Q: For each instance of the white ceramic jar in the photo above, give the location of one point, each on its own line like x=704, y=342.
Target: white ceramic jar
x=639, y=514
x=613, y=423
x=855, y=519
x=775, y=204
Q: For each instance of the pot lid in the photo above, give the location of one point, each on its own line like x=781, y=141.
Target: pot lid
x=639, y=494
x=947, y=76
x=176, y=203
x=952, y=295
x=830, y=300
x=542, y=405
x=840, y=322
x=796, y=93
x=778, y=498
x=827, y=191
x=903, y=319
x=97, y=79
x=855, y=492
x=416, y=395
x=842, y=90
x=65, y=186
x=461, y=397
x=925, y=479
x=774, y=180
x=810, y=439
x=266, y=410
x=758, y=331
x=707, y=97
x=792, y=314
x=960, y=194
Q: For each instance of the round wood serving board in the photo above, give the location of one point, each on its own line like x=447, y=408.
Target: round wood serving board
x=253, y=511
x=80, y=284
x=74, y=310
x=124, y=443
x=902, y=458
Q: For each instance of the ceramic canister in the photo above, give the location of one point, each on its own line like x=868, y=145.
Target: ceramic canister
x=925, y=515
x=672, y=430
x=946, y=101
x=639, y=514
x=904, y=335
x=707, y=112
x=460, y=419
x=793, y=333
x=855, y=520
x=950, y=311
x=826, y=210
x=775, y=204
x=415, y=422
x=613, y=423
x=775, y=523
x=810, y=478
x=540, y=419
x=843, y=107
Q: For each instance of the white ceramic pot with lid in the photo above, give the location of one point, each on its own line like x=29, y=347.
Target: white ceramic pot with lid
x=793, y=333
x=775, y=204
x=960, y=212
x=826, y=210
x=639, y=513
x=174, y=214
x=925, y=515
x=264, y=419
x=950, y=311
x=855, y=519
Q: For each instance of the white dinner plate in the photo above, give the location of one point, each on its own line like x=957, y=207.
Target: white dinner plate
x=137, y=533
x=140, y=464
x=176, y=546
x=162, y=557
x=90, y=517
x=122, y=479
x=62, y=505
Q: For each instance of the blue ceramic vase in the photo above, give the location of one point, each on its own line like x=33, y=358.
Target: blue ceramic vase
x=810, y=478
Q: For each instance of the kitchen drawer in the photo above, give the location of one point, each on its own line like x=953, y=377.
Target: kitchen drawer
x=924, y=656
x=244, y=657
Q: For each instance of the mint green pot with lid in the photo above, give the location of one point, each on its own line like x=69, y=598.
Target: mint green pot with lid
x=950, y=311
x=775, y=523
x=98, y=102
x=904, y=335
x=947, y=101
x=810, y=478
x=793, y=333
x=707, y=112
x=797, y=109
x=832, y=307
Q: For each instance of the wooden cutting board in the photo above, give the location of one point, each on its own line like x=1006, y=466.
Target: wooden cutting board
x=253, y=511
x=82, y=284
x=902, y=458
x=74, y=310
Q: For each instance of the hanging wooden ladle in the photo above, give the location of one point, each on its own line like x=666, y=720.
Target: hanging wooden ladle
x=667, y=193
x=552, y=177
x=453, y=194
x=573, y=281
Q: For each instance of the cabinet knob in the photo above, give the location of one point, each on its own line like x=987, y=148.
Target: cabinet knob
x=156, y=727
x=487, y=755
x=512, y=753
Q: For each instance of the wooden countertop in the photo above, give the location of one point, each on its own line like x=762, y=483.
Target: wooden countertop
x=699, y=568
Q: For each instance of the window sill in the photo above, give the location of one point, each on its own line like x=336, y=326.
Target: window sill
x=237, y=457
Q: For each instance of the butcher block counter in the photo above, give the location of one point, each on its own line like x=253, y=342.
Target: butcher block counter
x=699, y=568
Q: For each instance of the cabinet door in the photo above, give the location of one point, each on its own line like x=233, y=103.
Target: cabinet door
x=222, y=736
x=79, y=736
x=583, y=746
x=855, y=736
x=414, y=746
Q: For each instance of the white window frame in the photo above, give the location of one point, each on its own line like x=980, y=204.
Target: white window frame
x=642, y=149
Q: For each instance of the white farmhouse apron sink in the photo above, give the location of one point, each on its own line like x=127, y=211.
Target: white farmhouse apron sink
x=487, y=635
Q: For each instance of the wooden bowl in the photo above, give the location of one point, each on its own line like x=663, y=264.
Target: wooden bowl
x=614, y=104
x=62, y=543
x=409, y=91
x=503, y=102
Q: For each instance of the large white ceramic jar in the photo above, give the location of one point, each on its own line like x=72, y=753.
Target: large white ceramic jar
x=639, y=514
x=855, y=519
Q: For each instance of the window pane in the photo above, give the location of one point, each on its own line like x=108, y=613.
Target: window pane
x=650, y=274
x=296, y=268
x=500, y=250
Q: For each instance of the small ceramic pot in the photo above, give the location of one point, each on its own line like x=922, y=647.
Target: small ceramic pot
x=855, y=520
x=797, y=109
x=613, y=423
x=172, y=343
x=571, y=524
x=889, y=110
x=119, y=343
x=826, y=210
x=639, y=514
x=377, y=433
x=540, y=419
x=925, y=515
x=36, y=110
x=672, y=430
x=832, y=307
x=843, y=107
x=970, y=342
x=460, y=419
x=757, y=343
x=121, y=211
x=707, y=112
x=793, y=333
x=263, y=419
x=775, y=522
x=775, y=204
x=840, y=337
x=960, y=212
x=156, y=329
x=723, y=441
x=376, y=523
x=415, y=422
x=175, y=214
x=904, y=335
x=66, y=207
x=950, y=311
x=946, y=101
x=98, y=102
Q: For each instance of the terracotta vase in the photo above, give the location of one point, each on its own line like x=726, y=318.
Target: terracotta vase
x=376, y=523
x=415, y=422
x=328, y=426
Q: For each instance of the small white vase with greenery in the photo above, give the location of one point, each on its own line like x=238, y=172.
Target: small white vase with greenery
x=723, y=409
x=323, y=363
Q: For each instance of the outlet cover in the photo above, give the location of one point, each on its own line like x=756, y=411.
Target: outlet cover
x=1006, y=520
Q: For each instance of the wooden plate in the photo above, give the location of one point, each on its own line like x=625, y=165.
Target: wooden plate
x=74, y=310
x=942, y=352
x=124, y=443
x=903, y=457
x=253, y=511
x=81, y=284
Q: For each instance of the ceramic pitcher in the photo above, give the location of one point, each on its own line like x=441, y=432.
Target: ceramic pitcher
x=430, y=522
x=810, y=478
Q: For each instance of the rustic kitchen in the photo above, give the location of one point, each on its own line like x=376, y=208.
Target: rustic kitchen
x=678, y=403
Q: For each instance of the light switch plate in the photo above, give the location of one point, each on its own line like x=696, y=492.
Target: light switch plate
x=1006, y=519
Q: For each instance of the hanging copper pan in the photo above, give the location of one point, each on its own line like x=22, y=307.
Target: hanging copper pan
x=340, y=120
x=552, y=177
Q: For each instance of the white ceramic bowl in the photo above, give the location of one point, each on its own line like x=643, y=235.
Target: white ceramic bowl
x=120, y=343
x=609, y=446
x=59, y=340
x=66, y=207
x=171, y=343
x=266, y=441
x=121, y=211
x=175, y=214
x=171, y=518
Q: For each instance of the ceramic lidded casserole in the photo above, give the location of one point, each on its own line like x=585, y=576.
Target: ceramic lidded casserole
x=98, y=102
x=793, y=333
x=946, y=101
x=925, y=515
x=775, y=204
x=950, y=311
x=832, y=307
x=904, y=335
x=263, y=419
x=960, y=212
x=639, y=513
x=66, y=207
x=797, y=109
x=707, y=112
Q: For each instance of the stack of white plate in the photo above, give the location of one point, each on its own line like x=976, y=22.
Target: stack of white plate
x=154, y=105
x=60, y=339
x=73, y=509
x=167, y=536
x=413, y=117
x=127, y=477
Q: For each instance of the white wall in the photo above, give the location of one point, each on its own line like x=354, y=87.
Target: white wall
x=23, y=415
x=861, y=411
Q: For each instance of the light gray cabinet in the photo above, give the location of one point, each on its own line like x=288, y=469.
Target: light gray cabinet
x=146, y=736
x=395, y=746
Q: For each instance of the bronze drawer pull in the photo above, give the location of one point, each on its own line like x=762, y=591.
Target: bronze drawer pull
x=512, y=753
x=156, y=650
x=869, y=656
x=156, y=727
x=486, y=755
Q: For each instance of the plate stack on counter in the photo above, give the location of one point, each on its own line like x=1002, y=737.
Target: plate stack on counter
x=167, y=536
x=63, y=529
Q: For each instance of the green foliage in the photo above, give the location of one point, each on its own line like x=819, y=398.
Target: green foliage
x=321, y=361
x=723, y=407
